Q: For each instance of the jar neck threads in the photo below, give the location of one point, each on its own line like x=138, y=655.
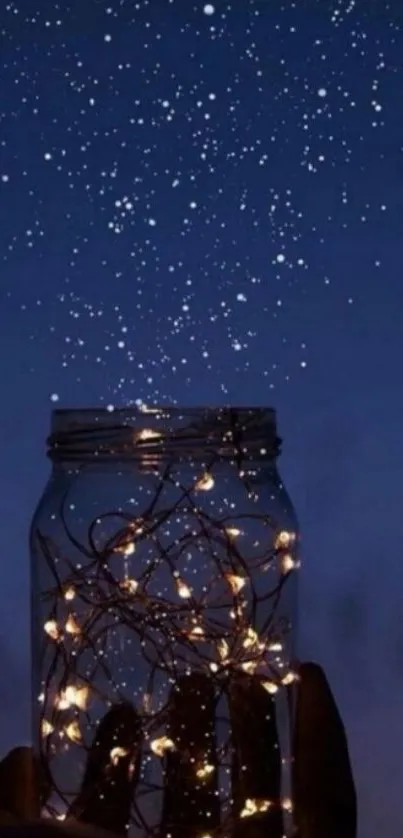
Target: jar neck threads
x=164, y=433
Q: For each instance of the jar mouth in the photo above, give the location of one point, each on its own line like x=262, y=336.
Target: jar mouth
x=162, y=432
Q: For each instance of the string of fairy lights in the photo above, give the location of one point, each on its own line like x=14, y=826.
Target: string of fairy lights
x=224, y=619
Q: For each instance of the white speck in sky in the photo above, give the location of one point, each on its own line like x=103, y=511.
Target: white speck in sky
x=322, y=92
x=209, y=9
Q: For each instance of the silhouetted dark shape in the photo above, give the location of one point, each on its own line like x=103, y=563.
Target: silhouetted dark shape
x=324, y=792
x=111, y=772
x=256, y=762
x=20, y=784
x=191, y=803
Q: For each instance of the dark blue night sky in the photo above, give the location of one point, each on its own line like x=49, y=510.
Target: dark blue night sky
x=202, y=203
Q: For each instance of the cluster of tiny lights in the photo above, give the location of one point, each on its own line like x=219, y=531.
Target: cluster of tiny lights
x=192, y=583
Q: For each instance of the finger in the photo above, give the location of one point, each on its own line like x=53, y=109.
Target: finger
x=112, y=772
x=191, y=805
x=20, y=784
x=256, y=762
x=324, y=792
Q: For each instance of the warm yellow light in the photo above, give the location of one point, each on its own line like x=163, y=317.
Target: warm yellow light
x=183, y=589
x=213, y=666
x=159, y=746
x=275, y=647
x=287, y=563
x=69, y=594
x=129, y=585
x=249, y=666
x=52, y=629
x=61, y=702
x=73, y=697
x=233, y=532
x=223, y=649
x=72, y=626
x=73, y=731
x=235, y=582
x=47, y=728
x=287, y=804
x=205, y=482
x=77, y=696
x=289, y=678
x=148, y=433
x=204, y=771
x=284, y=539
x=270, y=687
x=196, y=633
x=251, y=638
x=129, y=548
x=253, y=806
x=117, y=753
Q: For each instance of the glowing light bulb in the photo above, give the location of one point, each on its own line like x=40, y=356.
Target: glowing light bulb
x=254, y=806
x=289, y=678
x=161, y=745
x=249, y=666
x=129, y=585
x=270, y=687
x=196, y=632
x=61, y=702
x=52, y=629
x=117, y=753
x=46, y=728
x=204, y=771
x=77, y=696
x=205, y=482
x=148, y=433
x=72, y=626
x=233, y=532
x=129, y=548
x=251, y=638
x=183, y=589
x=235, y=582
x=287, y=804
x=275, y=647
x=223, y=649
x=73, y=732
x=287, y=563
x=284, y=539
x=69, y=594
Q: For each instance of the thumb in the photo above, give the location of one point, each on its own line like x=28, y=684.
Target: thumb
x=324, y=792
x=20, y=784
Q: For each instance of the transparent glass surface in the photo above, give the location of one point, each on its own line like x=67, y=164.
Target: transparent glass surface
x=164, y=547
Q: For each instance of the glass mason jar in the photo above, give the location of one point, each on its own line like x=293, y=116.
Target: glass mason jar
x=163, y=598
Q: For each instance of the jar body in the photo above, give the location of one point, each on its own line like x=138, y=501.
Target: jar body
x=146, y=571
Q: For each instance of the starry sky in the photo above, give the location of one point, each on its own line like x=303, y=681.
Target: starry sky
x=202, y=204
